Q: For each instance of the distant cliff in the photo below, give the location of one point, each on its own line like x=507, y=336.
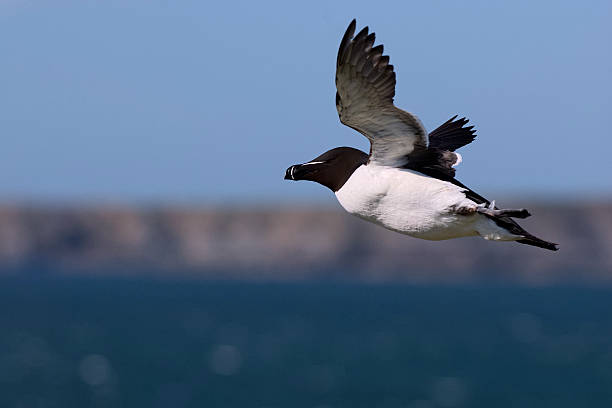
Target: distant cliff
x=295, y=243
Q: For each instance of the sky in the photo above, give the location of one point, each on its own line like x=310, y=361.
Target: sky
x=209, y=102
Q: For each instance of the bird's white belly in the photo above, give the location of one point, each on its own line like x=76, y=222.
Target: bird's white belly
x=408, y=202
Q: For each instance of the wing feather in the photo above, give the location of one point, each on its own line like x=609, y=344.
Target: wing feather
x=452, y=134
x=365, y=84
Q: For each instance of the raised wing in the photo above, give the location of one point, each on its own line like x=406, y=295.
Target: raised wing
x=439, y=159
x=365, y=83
x=451, y=135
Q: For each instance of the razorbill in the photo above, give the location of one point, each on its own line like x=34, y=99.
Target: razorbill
x=407, y=182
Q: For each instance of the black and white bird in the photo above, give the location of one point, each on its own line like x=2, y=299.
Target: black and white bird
x=407, y=182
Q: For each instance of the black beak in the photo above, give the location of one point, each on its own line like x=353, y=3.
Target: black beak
x=303, y=171
x=289, y=174
x=299, y=171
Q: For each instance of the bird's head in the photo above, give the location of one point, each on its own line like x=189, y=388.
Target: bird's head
x=331, y=169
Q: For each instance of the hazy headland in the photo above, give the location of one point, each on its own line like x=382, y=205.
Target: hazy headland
x=294, y=243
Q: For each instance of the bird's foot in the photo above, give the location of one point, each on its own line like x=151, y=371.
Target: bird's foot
x=463, y=210
x=491, y=211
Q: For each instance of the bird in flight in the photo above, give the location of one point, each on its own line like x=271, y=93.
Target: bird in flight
x=407, y=181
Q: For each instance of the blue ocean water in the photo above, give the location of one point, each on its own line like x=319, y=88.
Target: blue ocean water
x=74, y=342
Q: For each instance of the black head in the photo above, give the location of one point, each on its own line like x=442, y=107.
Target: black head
x=331, y=169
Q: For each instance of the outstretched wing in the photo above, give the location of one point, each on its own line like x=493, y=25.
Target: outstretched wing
x=365, y=83
x=439, y=159
x=451, y=135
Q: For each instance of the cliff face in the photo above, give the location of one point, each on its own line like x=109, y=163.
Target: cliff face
x=292, y=243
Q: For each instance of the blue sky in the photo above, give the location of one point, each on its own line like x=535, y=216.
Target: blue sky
x=191, y=101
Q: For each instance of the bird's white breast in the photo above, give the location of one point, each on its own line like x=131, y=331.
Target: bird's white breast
x=406, y=201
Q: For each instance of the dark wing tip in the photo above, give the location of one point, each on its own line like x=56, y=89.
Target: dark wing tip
x=378, y=50
x=346, y=39
x=362, y=34
x=350, y=30
x=358, y=59
x=452, y=134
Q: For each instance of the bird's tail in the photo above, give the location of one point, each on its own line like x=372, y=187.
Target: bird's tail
x=535, y=241
x=526, y=238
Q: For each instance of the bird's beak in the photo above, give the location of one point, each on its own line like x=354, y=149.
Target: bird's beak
x=289, y=174
x=302, y=171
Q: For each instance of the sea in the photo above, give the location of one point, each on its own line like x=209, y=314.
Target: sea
x=125, y=342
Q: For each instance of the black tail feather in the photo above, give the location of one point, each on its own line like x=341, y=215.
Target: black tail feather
x=507, y=222
x=540, y=243
x=510, y=225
